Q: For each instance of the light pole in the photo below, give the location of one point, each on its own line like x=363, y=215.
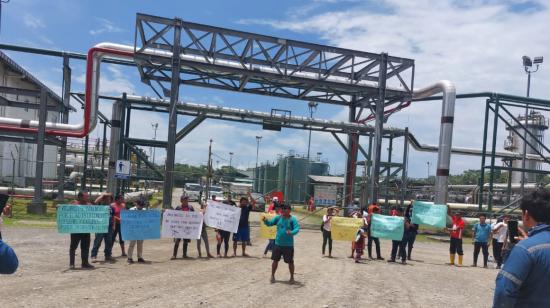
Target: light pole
x=154, y=126
x=312, y=108
x=428, y=163
x=528, y=66
x=258, y=138
x=230, y=160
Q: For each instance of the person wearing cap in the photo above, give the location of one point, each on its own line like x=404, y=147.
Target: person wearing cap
x=184, y=206
x=287, y=228
x=82, y=239
x=139, y=207
x=456, y=232
x=118, y=206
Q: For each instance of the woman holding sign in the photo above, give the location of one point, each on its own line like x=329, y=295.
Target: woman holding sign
x=327, y=238
x=184, y=199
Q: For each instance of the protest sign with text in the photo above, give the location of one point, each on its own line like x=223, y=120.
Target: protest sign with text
x=429, y=214
x=181, y=224
x=344, y=228
x=222, y=216
x=388, y=227
x=265, y=231
x=140, y=225
x=83, y=218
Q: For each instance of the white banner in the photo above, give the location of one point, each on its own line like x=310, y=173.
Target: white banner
x=325, y=195
x=180, y=224
x=222, y=216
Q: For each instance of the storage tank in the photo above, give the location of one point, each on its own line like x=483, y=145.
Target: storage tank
x=281, y=174
x=270, y=178
x=260, y=179
x=536, y=125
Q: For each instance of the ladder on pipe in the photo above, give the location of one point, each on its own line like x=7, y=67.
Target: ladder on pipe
x=510, y=207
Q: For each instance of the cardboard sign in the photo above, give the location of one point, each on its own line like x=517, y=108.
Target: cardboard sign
x=344, y=228
x=222, y=216
x=82, y=218
x=388, y=227
x=265, y=231
x=140, y=225
x=180, y=224
x=428, y=214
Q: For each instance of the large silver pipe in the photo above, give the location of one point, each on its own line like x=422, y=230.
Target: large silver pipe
x=445, y=134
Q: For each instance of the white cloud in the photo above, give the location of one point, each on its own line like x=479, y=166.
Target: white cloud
x=32, y=21
x=113, y=81
x=476, y=44
x=105, y=26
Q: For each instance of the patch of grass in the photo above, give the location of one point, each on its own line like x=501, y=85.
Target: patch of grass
x=19, y=211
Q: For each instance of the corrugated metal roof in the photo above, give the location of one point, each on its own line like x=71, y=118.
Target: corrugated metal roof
x=327, y=179
x=16, y=67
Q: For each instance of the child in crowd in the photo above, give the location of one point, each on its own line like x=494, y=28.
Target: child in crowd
x=360, y=243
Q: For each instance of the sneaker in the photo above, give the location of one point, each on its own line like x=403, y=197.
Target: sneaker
x=72, y=267
x=391, y=261
x=485, y=266
x=94, y=259
x=173, y=258
x=87, y=266
x=130, y=261
x=404, y=262
x=109, y=259
x=474, y=265
x=379, y=258
x=140, y=260
x=123, y=255
x=409, y=258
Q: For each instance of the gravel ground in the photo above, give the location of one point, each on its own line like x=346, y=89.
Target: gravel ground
x=43, y=279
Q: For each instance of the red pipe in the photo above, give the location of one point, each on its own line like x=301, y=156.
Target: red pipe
x=87, y=101
x=371, y=116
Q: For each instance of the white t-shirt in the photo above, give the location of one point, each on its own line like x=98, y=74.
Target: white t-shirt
x=501, y=234
x=326, y=223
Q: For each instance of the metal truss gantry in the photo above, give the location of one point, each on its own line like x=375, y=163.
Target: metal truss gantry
x=171, y=52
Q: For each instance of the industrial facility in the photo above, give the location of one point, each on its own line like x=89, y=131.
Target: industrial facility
x=44, y=156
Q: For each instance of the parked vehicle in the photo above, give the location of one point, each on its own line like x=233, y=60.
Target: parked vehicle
x=260, y=201
x=215, y=191
x=193, y=190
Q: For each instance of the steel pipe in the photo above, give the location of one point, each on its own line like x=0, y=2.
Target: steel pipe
x=445, y=134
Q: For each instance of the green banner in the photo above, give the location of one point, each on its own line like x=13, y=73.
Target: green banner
x=388, y=227
x=83, y=218
x=429, y=214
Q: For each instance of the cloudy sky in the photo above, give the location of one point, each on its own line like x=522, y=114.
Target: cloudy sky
x=478, y=45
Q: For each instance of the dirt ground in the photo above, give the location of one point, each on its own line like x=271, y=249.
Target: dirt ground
x=43, y=279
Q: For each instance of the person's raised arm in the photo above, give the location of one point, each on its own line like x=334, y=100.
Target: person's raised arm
x=271, y=222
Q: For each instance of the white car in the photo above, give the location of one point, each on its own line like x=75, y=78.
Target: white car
x=193, y=190
x=215, y=191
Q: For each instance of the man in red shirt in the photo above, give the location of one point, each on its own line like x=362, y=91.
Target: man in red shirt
x=456, y=238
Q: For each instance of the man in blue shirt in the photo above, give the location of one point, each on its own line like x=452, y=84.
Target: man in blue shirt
x=287, y=227
x=8, y=259
x=480, y=239
x=525, y=277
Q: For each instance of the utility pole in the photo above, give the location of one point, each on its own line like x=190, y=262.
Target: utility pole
x=528, y=66
x=230, y=160
x=312, y=108
x=208, y=172
x=154, y=126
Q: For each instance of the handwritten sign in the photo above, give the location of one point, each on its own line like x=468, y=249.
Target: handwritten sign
x=140, y=225
x=265, y=231
x=428, y=214
x=82, y=218
x=180, y=224
x=388, y=227
x=344, y=228
x=222, y=216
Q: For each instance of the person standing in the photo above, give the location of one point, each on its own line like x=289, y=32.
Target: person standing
x=360, y=242
x=184, y=206
x=398, y=247
x=456, y=238
x=274, y=208
x=105, y=198
x=243, y=231
x=82, y=239
x=204, y=238
x=326, y=229
x=373, y=210
x=411, y=232
x=525, y=277
x=287, y=228
x=118, y=206
x=8, y=259
x=500, y=235
x=139, y=207
x=480, y=239
x=223, y=236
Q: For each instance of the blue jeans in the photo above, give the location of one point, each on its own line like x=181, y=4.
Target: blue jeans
x=108, y=244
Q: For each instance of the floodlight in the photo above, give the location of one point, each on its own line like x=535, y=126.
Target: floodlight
x=538, y=60
x=527, y=61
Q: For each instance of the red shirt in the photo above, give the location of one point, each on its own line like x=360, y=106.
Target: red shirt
x=117, y=208
x=458, y=227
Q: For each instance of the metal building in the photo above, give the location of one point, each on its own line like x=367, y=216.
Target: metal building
x=17, y=157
